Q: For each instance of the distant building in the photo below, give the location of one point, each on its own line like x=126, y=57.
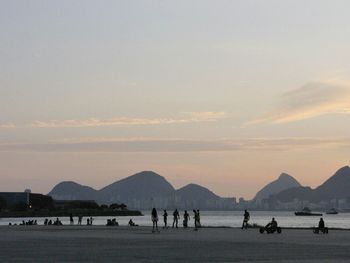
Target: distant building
x=32, y=200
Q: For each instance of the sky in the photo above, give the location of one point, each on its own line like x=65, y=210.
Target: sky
x=225, y=94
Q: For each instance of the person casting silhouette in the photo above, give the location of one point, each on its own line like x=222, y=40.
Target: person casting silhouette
x=176, y=218
x=186, y=219
x=321, y=224
x=165, y=218
x=246, y=218
x=154, y=220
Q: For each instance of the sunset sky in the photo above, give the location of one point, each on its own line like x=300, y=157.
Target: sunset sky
x=226, y=94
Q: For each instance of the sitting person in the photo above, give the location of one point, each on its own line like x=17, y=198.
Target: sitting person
x=321, y=225
x=131, y=223
x=272, y=225
x=112, y=222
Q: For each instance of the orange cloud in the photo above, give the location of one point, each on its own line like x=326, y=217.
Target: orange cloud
x=7, y=126
x=309, y=101
x=176, y=145
x=189, y=117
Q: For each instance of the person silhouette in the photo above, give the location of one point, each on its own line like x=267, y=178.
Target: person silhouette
x=154, y=218
x=321, y=224
x=198, y=218
x=186, y=219
x=272, y=226
x=71, y=220
x=176, y=216
x=165, y=219
x=246, y=218
x=195, y=219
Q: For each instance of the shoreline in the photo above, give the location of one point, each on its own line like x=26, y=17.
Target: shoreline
x=97, y=227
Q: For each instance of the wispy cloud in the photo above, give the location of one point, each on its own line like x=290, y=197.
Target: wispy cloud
x=130, y=145
x=7, y=126
x=187, y=117
x=311, y=100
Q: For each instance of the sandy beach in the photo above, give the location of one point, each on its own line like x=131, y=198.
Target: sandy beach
x=139, y=244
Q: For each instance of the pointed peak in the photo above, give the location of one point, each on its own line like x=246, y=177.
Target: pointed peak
x=285, y=176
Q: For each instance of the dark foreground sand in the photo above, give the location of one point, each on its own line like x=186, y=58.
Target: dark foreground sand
x=124, y=244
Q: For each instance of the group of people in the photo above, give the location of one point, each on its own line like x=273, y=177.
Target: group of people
x=50, y=222
x=273, y=225
x=176, y=218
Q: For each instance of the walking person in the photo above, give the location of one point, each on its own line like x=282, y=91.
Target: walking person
x=186, y=219
x=176, y=216
x=154, y=218
x=198, y=218
x=71, y=220
x=80, y=220
x=195, y=215
x=246, y=218
x=165, y=219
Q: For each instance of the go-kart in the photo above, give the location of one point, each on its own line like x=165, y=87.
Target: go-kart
x=270, y=230
x=318, y=230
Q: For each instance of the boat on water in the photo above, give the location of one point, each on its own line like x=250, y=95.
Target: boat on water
x=307, y=212
x=332, y=211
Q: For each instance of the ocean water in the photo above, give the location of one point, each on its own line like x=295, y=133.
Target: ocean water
x=217, y=218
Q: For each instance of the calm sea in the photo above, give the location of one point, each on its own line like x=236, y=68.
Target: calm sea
x=219, y=218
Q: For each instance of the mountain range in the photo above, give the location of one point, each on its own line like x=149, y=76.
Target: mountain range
x=142, y=190
x=336, y=187
x=284, y=182
x=147, y=189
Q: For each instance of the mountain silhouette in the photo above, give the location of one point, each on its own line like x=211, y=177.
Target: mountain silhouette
x=195, y=196
x=141, y=186
x=69, y=190
x=143, y=190
x=336, y=187
x=283, y=182
x=195, y=192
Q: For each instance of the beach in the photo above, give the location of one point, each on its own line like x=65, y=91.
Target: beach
x=139, y=244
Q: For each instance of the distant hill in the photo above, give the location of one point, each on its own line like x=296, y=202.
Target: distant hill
x=195, y=196
x=141, y=186
x=195, y=192
x=283, y=182
x=301, y=193
x=69, y=190
x=144, y=190
x=336, y=187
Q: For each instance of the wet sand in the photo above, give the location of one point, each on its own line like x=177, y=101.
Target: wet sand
x=139, y=244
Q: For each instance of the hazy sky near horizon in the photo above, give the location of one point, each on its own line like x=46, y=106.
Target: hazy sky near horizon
x=226, y=94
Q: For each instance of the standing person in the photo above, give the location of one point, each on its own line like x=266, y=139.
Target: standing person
x=80, y=219
x=176, y=216
x=198, y=218
x=186, y=219
x=195, y=215
x=246, y=218
x=165, y=218
x=71, y=220
x=154, y=220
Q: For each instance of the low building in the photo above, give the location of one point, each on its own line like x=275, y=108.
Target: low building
x=32, y=200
